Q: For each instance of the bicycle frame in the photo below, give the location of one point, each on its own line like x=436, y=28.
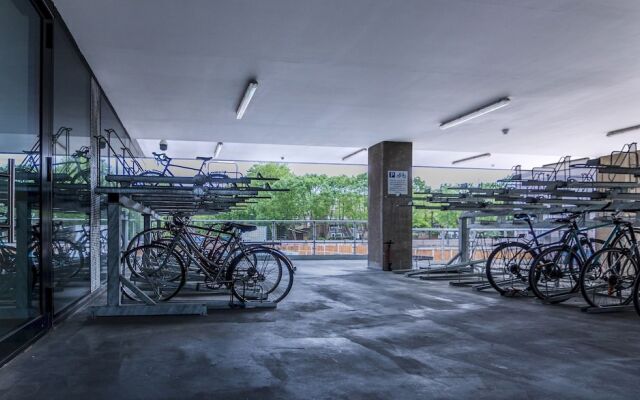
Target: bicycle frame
x=165, y=161
x=184, y=240
x=572, y=235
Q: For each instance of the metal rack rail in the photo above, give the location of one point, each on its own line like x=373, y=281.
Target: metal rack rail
x=156, y=196
x=606, y=184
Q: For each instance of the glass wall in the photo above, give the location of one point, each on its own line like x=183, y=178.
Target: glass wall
x=71, y=172
x=19, y=164
x=116, y=141
x=29, y=295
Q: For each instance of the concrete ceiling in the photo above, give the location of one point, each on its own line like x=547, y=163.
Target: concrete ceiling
x=352, y=73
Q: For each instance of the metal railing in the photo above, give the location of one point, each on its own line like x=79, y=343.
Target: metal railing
x=350, y=238
x=308, y=237
x=318, y=238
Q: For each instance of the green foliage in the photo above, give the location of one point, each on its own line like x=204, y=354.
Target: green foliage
x=310, y=196
x=318, y=196
x=432, y=218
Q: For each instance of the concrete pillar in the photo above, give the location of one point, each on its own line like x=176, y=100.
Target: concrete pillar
x=390, y=215
x=464, y=239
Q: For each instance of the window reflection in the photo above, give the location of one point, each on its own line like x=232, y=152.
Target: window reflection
x=19, y=164
x=71, y=173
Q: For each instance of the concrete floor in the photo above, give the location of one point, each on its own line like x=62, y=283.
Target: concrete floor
x=344, y=333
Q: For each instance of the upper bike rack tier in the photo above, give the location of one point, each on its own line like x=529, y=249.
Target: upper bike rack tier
x=605, y=184
x=125, y=183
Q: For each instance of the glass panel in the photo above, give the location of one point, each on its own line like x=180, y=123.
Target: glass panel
x=19, y=141
x=71, y=178
x=109, y=148
x=116, y=157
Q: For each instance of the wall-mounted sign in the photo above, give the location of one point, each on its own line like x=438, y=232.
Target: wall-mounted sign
x=397, y=183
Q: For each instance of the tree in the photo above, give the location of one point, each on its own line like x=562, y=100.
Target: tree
x=318, y=196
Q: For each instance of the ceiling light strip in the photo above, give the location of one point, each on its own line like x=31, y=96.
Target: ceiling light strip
x=246, y=99
x=217, y=150
x=623, y=130
x=348, y=156
x=463, y=160
x=476, y=113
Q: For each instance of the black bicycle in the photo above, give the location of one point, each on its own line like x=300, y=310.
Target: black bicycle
x=160, y=260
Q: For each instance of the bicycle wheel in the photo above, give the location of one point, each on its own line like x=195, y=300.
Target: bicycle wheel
x=67, y=259
x=608, y=277
x=554, y=272
x=623, y=239
x=260, y=273
x=508, y=266
x=150, y=236
x=161, y=236
x=155, y=270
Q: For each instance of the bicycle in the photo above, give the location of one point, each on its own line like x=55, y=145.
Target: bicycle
x=511, y=261
x=249, y=271
x=609, y=275
x=507, y=267
x=555, y=272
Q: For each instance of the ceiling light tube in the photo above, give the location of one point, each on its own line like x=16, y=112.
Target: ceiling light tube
x=476, y=113
x=218, y=149
x=246, y=99
x=348, y=156
x=623, y=130
x=463, y=160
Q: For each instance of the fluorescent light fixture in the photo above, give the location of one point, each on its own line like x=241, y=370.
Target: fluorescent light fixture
x=217, y=150
x=476, y=113
x=623, y=130
x=246, y=99
x=348, y=156
x=463, y=160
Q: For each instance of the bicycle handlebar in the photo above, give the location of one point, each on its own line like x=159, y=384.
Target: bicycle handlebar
x=161, y=156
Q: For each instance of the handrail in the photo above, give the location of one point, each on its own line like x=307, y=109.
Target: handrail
x=128, y=168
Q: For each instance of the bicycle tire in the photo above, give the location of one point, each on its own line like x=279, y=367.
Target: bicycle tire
x=149, y=279
x=602, y=286
x=546, y=269
x=242, y=276
x=634, y=294
x=515, y=277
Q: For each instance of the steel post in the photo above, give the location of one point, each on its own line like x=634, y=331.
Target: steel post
x=113, y=250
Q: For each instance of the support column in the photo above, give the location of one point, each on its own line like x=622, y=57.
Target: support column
x=146, y=225
x=463, y=239
x=390, y=213
x=113, y=250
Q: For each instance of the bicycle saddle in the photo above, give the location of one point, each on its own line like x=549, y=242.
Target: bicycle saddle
x=204, y=158
x=240, y=227
x=522, y=216
x=567, y=219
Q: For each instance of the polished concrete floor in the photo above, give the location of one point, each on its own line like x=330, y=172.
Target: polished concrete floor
x=344, y=333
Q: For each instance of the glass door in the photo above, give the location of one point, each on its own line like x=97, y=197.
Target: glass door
x=20, y=166
x=70, y=250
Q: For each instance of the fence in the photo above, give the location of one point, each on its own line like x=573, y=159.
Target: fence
x=333, y=238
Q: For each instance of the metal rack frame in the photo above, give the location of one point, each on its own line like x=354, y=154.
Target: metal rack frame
x=154, y=197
